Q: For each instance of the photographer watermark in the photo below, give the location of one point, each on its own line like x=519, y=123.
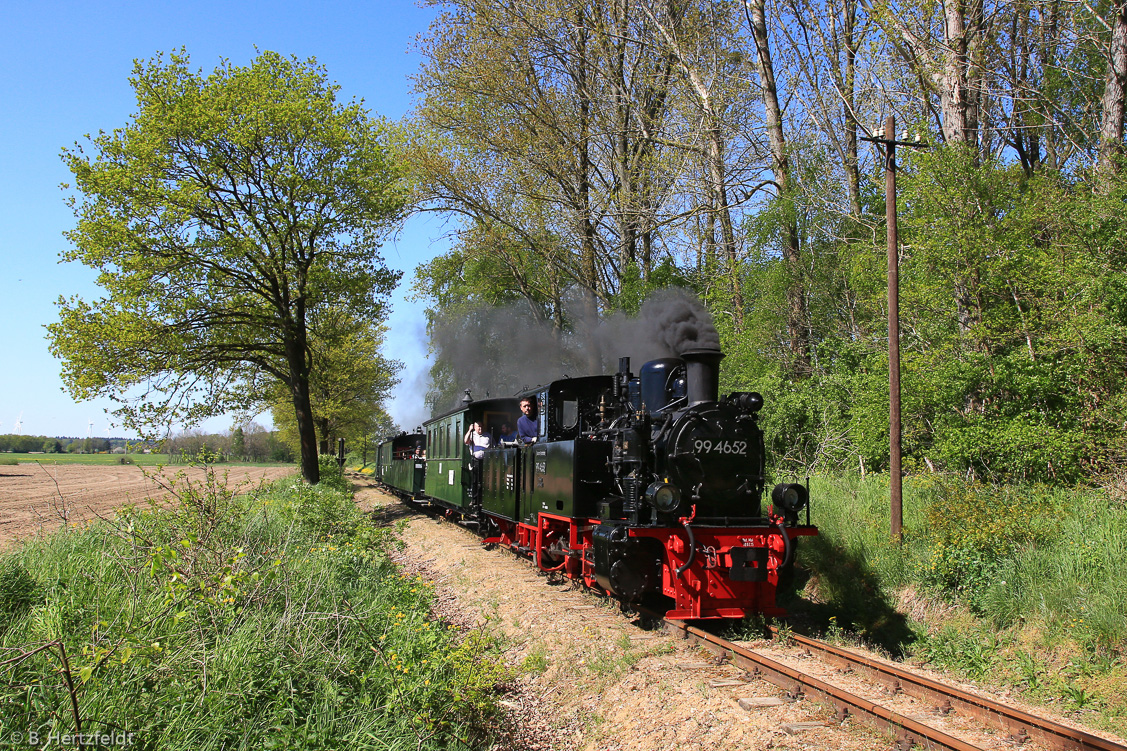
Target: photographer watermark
x=55, y=739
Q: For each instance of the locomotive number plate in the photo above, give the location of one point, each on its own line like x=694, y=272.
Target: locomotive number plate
x=704, y=446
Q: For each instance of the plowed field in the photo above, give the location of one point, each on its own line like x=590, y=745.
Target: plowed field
x=36, y=498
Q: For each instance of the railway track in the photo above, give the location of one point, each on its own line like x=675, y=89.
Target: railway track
x=925, y=729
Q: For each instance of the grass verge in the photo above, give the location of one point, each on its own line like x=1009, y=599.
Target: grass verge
x=267, y=619
x=1014, y=585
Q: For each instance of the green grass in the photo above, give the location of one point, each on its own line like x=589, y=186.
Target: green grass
x=1023, y=584
x=147, y=460
x=270, y=620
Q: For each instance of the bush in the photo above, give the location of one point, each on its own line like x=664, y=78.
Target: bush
x=971, y=528
x=332, y=474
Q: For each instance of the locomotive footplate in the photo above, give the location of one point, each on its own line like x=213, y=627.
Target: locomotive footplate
x=748, y=564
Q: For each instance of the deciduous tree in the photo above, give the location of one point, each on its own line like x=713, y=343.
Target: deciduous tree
x=226, y=213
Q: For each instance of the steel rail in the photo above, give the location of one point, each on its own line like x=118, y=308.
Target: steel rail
x=1019, y=723
x=909, y=730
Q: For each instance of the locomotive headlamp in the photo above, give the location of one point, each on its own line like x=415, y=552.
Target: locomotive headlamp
x=789, y=497
x=751, y=401
x=663, y=496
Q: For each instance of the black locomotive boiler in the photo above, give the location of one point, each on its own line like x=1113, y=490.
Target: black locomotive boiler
x=643, y=487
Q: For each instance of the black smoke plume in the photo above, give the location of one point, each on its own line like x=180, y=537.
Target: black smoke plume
x=503, y=351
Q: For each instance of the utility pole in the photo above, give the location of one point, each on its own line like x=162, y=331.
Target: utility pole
x=887, y=139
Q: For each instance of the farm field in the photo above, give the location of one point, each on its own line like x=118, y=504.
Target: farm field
x=35, y=497
x=144, y=460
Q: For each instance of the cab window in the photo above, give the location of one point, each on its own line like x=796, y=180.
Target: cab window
x=569, y=414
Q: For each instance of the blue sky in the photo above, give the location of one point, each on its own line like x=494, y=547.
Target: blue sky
x=65, y=69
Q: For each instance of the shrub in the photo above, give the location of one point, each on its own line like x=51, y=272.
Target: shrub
x=332, y=475
x=971, y=528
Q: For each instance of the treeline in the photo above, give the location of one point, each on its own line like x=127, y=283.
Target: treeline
x=598, y=151
x=26, y=444
x=250, y=443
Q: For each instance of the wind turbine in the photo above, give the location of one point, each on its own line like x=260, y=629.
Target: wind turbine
x=90, y=430
x=19, y=424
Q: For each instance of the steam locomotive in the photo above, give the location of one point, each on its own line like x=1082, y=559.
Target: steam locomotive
x=648, y=488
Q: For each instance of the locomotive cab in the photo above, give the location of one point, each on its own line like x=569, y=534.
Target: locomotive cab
x=565, y=472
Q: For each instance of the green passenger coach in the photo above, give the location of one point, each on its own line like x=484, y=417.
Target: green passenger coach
x=449, y=476
x=401, y=463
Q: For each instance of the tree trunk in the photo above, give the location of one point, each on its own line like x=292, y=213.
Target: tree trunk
x=326, y=444
x=849, y=93
x=961, y=95
x=719, y=201
x=780, y=166
x=303, y=410
x=1115, y=92
x=588, y=270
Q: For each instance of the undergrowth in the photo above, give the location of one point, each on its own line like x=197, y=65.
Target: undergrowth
x=265, y=618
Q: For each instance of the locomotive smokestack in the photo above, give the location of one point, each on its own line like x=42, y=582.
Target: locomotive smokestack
x=702, y=374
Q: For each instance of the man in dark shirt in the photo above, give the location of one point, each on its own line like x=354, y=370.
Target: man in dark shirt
x=527, y=429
